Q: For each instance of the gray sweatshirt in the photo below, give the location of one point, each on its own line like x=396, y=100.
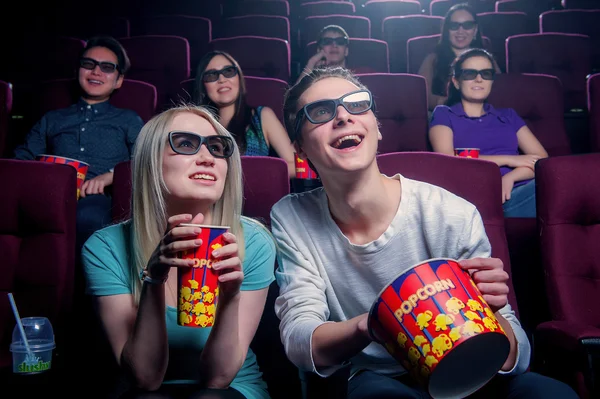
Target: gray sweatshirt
x=323, y=277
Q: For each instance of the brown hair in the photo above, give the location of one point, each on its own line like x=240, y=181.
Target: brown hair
x=242, y=116
x=293, y=94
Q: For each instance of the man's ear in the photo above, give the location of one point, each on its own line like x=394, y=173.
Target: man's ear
x=299, y=152
x=119, y=81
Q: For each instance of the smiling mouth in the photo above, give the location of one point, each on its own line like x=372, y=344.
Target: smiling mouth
x=202, y=176
x=95, y=82
x=351, y=140
x=223, y=89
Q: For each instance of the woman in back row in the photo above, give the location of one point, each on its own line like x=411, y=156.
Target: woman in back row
x=502, y=137
x=460, y=32
x=257, y=131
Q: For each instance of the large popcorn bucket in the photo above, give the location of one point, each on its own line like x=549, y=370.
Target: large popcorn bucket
x=198, y=285
x=80, y=166
x=434, y=321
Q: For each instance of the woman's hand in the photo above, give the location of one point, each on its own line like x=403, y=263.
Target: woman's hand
x=229, y=267
x=527, y=161
x=176, y=239
x=507, y=186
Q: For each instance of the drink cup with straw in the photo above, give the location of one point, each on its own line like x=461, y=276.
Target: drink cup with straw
x=32, y=343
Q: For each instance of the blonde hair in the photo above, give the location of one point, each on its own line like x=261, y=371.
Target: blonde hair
x=149, y=208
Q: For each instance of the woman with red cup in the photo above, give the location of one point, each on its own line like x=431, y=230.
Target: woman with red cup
x=186, y=171
x=502, y=137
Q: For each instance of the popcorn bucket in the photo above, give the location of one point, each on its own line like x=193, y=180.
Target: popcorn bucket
x=467, y=152
x=435, y=322
x=303, y=170
x=198, y=285
x=80, y=166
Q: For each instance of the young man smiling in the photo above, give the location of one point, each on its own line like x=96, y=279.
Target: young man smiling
x=339, y=245
x=92, y=130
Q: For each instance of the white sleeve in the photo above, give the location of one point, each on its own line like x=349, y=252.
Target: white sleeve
x=523, y=346
x=302, y=302
x=474, y=243
x=478, y=246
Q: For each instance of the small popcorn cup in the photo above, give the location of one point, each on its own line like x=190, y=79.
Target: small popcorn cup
x=198, y=288
x=80, y=166
x=467, y=152
x=303, y=170
x=433, y=319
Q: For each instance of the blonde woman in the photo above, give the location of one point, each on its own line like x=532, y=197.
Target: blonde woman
x=186, y=169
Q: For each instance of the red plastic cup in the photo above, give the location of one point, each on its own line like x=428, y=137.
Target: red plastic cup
x=198, y=288
x=303, y=170
x=467, y=152
x=80, y=166
x=435, y=322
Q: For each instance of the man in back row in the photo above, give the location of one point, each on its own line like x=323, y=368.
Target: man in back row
x=92, y=131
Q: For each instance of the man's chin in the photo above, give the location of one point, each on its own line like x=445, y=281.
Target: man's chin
x=336, y=63
x=95, y=97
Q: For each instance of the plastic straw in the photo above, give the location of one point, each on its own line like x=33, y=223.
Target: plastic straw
x=19, y=324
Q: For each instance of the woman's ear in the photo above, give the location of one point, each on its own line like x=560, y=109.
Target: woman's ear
x=455, y=83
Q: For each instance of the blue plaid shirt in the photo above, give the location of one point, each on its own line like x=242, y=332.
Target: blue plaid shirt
x=100, y=135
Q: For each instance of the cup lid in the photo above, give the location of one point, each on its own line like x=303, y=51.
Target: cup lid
x=39, y=332
x=36, y=345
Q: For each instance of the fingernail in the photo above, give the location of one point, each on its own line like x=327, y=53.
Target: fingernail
x=198, y=242
x=215, y=265
x=215, y=253
x=197, y=231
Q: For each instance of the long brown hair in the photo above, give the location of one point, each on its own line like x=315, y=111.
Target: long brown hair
x=242, y=116
x=443, y=51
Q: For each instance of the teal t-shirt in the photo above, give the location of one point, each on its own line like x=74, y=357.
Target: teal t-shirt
x=106, y=265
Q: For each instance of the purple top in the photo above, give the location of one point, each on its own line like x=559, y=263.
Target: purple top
x=494, y=133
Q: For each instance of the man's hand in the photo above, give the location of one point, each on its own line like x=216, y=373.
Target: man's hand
x=97, y=184
x=490, y=277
